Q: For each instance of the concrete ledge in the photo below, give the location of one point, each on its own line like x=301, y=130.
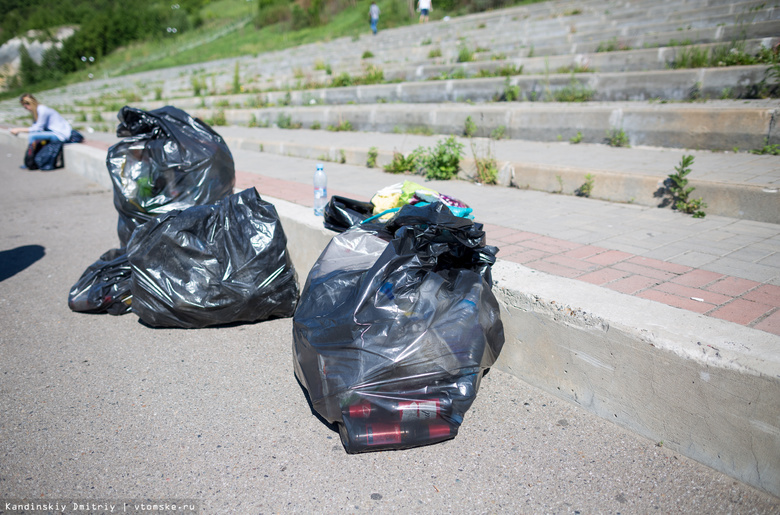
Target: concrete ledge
x=706, y=388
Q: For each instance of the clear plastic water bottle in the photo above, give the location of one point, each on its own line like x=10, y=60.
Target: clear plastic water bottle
x=320, y=190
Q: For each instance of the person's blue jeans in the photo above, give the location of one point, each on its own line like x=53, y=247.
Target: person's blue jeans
x=41, y=136
x=374, y=22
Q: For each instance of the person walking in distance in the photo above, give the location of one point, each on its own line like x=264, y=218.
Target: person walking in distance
x=424, y=6
x=373, y=14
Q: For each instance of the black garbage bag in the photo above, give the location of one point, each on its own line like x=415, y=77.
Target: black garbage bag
x=213, y=264
x=395, y=326
x=104, y=287
x=341, y=213
x=167, y=161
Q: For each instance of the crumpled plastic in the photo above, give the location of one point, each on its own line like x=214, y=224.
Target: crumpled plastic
x=213, y=264
x=167, y=161
x=398, y=315
x=341, y=213
x=104, y=287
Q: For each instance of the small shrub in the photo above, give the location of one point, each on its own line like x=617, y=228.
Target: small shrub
x=284, y=121
x=344, y=79
x=691, y=57
x=368, y=54
x=219, y=118
x=236, y=80
x=442, y=161
x=470, y=128
x=577, y=138
x=426, y=41
x=612, y=46
x=198, y=85
x=434, y=52
x=315, y=125
x=680, y=190
x=617, y=138
x=465, y=54
x=575, y=91
x=767, y=149
x=401, y=164
x=587, y=187
x=498, y=133
x=509, y=94
x=373, y=153
x=509, y=70
x=372, y=74
x=487, y=167
x=342, y=126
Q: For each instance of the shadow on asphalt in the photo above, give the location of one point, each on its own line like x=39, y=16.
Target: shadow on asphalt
x=15, y=260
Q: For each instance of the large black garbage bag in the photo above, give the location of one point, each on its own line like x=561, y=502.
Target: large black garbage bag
x=395, y=327
x=214, y=264
x=168, y=160
x=104, y=287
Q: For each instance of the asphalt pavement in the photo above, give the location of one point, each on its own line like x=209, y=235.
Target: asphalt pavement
x=101, y=408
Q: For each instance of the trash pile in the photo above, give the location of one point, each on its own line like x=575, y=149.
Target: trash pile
x=191, y=254
x=342, y=213
x=396, y=325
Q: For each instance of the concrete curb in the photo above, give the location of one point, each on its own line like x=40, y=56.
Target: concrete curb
x=706, y=388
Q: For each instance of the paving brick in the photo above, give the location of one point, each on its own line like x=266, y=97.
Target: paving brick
x=741, y=311
x=715, y=299
x=632, y=284
x=554, y=269
x=603, y=276
x=644, y=270
x=734, y=286
x=504, y=251
x=766, y=294
x=675, y=300
x=577, y=264
x=551, y=245
x=584, y=252
x=496, y=232
x=610, y=257
x=526, y=256
x=698, y=278
x=770, y=324
x=519, y=236
x=564, y=244
x=660, y=265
